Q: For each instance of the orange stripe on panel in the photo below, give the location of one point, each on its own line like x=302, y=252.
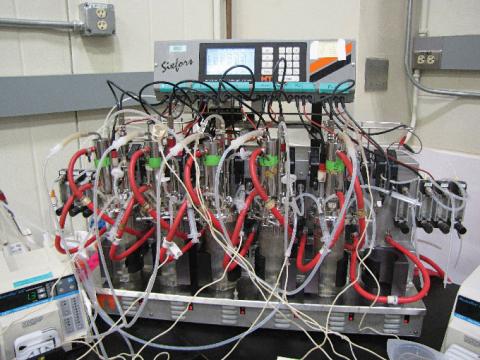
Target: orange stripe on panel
x=323, y=62
x=348, y=48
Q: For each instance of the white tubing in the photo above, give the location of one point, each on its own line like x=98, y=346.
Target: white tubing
x=235, y=144
x=125, y=139
x=174, y=151
x=97, y=232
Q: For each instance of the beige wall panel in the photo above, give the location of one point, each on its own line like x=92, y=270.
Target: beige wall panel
x=293, y=19
x=44, y=52
x=25, y=143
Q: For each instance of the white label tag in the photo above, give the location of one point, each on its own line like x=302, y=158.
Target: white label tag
x=341, y=50
x=177, y=48
x=321, y=49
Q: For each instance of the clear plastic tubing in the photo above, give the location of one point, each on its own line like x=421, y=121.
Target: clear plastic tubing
x=97, y=234
x=233, y=147
x=393, y=194
x=351, y=152
x=151, y=280
x=287, y=248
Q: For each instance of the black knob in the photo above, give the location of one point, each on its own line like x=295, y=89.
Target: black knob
x=462, y=230
x=59, y=211
x=444, y=227
x=86, y=212
x=404, y=228
x=75, y=210
x=426, y=226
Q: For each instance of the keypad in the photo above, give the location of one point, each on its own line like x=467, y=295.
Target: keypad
x=271, y=54
x=72, y=314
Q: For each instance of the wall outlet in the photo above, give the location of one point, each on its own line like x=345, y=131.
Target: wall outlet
x=98, y=19
x=427, y=59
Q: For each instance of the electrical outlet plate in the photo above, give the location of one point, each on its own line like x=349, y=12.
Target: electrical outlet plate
x=376, y=74
x=427, y=59
x=98, y=19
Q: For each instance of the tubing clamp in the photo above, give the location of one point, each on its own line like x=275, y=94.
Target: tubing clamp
x=146, y=207
x=392, y=300
x=172, y=248
x=85, y=200
x=270, y=204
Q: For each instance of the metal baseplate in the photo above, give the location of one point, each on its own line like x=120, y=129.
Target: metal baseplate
x=345, y=317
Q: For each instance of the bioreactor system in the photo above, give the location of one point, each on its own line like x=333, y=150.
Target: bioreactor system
x=240, y=190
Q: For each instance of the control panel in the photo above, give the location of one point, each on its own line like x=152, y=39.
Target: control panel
x=310, y=66
x=261, y=58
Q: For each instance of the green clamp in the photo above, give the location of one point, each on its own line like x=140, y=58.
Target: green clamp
x=154, y=162
x=211, y=160
x=105, y=163
x=336, y=166
x=268, y=160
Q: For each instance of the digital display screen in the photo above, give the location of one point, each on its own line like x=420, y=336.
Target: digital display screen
x=18, y=298
x=468, y=309
x=221, y=59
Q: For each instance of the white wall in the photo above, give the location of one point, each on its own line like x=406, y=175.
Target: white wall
x=377, y=25
x=25, y=141
x=449, y=123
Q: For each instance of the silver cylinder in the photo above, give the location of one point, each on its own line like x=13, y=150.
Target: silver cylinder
x=225, y=287
x=105, y=177
x=271, y=249
x=123, y=277
x=270, y=169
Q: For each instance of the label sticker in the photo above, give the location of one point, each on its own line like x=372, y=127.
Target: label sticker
x=341, y=49
x=320, y=49
x=177, y=48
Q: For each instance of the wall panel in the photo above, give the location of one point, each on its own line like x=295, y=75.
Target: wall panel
x=446, y=122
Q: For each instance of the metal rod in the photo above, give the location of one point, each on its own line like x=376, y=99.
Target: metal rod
x=41, y=24
x=228, y=18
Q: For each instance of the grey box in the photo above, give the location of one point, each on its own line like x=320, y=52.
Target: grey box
x=376, y=74
x=98, y=19
x=460, y=52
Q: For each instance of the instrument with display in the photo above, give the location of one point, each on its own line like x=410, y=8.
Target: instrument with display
x=40, y=304
x=315, y=67
x=463, y=331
